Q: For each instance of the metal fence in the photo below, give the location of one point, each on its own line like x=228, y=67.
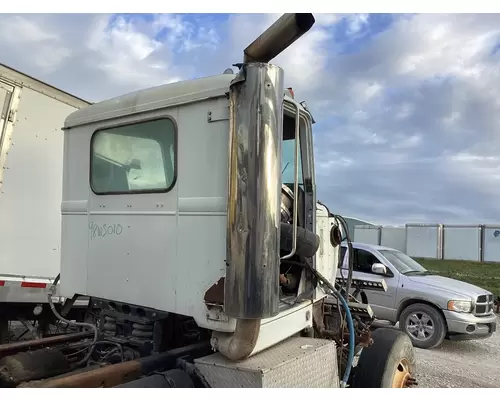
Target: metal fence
x=394, y=237
x=444, y=242
x=423, y=240
x=368, y=234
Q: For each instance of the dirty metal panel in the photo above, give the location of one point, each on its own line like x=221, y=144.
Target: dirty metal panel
x=298, y=362
x=30, y=201
x=215, y=294
x=218, y=114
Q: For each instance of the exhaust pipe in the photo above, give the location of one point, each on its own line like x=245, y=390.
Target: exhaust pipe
x=251, y=290
x=254, y=193
x=239, y=345
x=279, y=36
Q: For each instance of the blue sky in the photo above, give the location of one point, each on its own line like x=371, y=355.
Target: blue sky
x=406, y=105
x=368, y=26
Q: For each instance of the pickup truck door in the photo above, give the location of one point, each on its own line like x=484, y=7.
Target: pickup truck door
x=382, y=303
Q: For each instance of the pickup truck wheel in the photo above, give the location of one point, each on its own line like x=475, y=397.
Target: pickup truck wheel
x=388, y=363
x=424, y=325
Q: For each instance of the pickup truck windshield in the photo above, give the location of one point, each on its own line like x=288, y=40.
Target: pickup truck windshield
x=403, y=263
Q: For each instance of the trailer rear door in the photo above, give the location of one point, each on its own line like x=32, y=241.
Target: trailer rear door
x=5, y=103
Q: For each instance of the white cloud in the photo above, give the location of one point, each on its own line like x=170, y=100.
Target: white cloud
x=48, y=51
x=123, y=52
x=356, y=22
x=407, y=142
x=19, y=29
x=408, y=123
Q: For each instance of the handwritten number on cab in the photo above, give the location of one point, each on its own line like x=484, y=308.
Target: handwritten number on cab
x=103, y=230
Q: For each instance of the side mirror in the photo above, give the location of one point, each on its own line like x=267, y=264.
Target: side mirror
x=379, y=269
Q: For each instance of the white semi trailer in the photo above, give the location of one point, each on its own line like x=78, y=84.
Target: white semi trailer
x=31, y=161
x=189, y=216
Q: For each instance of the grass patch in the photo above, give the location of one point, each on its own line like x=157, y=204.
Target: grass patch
x=486, y=276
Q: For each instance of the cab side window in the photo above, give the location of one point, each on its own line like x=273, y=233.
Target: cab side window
x=135, y=158
x=363, y=261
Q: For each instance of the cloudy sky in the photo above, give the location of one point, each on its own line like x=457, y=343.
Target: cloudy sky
x=407, y=106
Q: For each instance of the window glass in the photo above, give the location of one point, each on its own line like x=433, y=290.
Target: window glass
x=343, y=251
x=134, y=158
x=363, y=261
x=403, y=263
x=288, y=163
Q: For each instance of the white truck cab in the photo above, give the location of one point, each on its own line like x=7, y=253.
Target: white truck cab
x=144, y=208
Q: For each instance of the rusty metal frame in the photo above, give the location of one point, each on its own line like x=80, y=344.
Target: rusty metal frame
x=12, y=348
x=114, y=375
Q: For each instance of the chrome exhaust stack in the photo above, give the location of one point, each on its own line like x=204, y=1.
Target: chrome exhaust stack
x=254, y=199
x=278, y=37
x=254, y=189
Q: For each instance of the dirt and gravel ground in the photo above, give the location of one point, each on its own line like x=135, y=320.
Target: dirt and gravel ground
x=468, y=364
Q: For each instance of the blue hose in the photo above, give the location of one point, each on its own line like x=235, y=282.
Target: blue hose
x=350, y=325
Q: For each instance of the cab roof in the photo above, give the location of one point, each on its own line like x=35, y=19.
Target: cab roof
x=164, y=96
x=152, y=98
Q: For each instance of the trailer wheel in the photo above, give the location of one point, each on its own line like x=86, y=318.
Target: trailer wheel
x=4, y=331
x=388, y=363
x=307, y=241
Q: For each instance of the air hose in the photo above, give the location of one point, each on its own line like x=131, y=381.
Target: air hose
x=52, y=291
